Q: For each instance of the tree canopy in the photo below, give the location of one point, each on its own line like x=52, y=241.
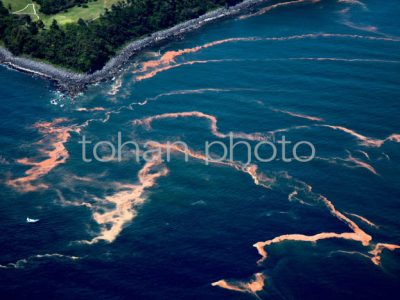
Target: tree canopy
x=87, y=46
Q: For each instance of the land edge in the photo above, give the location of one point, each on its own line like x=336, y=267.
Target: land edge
x=73, y=83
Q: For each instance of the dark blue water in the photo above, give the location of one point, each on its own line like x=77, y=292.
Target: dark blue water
x=327, y=73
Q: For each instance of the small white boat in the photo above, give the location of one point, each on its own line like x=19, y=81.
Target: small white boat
x=28, y=220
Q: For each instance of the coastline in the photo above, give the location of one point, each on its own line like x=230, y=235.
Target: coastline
x=75, y=82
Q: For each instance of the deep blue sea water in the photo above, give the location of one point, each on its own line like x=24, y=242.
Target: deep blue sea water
x=131, y=230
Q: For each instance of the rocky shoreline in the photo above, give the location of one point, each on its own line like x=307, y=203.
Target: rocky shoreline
x=74, y=82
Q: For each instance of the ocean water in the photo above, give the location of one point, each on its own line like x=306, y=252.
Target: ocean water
x=327, y=73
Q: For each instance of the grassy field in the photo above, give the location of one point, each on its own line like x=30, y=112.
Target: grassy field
x=93, y=11
x=16, y=4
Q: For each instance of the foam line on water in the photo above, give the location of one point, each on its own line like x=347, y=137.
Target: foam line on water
x=349, y=253
x=213, y=124
x=354, y=2
x=63, y=201
x=282, y=130
x=366, y=141
x=370, y=142
x=155, y=72
x=179, y=92
x=107, y=114
x=115, y=87
x=249, y=169
x=170, y=56
x=340, y=59
x=365, y=220
x=190, y=92
x=361, y=164
x=375, y=255
x=298, y=115
x=364, y=153
x=350, y=162
x=366, y=28
x=20, y=264
x=167, y=61
x=278, y=5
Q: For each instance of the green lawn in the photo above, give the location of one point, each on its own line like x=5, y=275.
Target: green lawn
x=16, y=4
x=93, y=11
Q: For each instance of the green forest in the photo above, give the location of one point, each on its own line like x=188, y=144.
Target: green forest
x=87, y=46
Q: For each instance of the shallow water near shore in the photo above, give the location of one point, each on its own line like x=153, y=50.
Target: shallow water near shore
x=325, y=72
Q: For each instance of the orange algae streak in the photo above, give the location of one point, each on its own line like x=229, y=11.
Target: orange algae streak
x=357, y=235
x=260, y=246
x=90, y=109
x=170, y=56
x=394, y=138
x=370, y=142
x=363, y=237
x=250, y=169
x=176, y=148
x=196, y=114
x=255, y=285
x=193, y=154
x=365, y=220
x=56, y=153
x=153, y=73
x=167, y=62
x=377, y=252
x=126, y=200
